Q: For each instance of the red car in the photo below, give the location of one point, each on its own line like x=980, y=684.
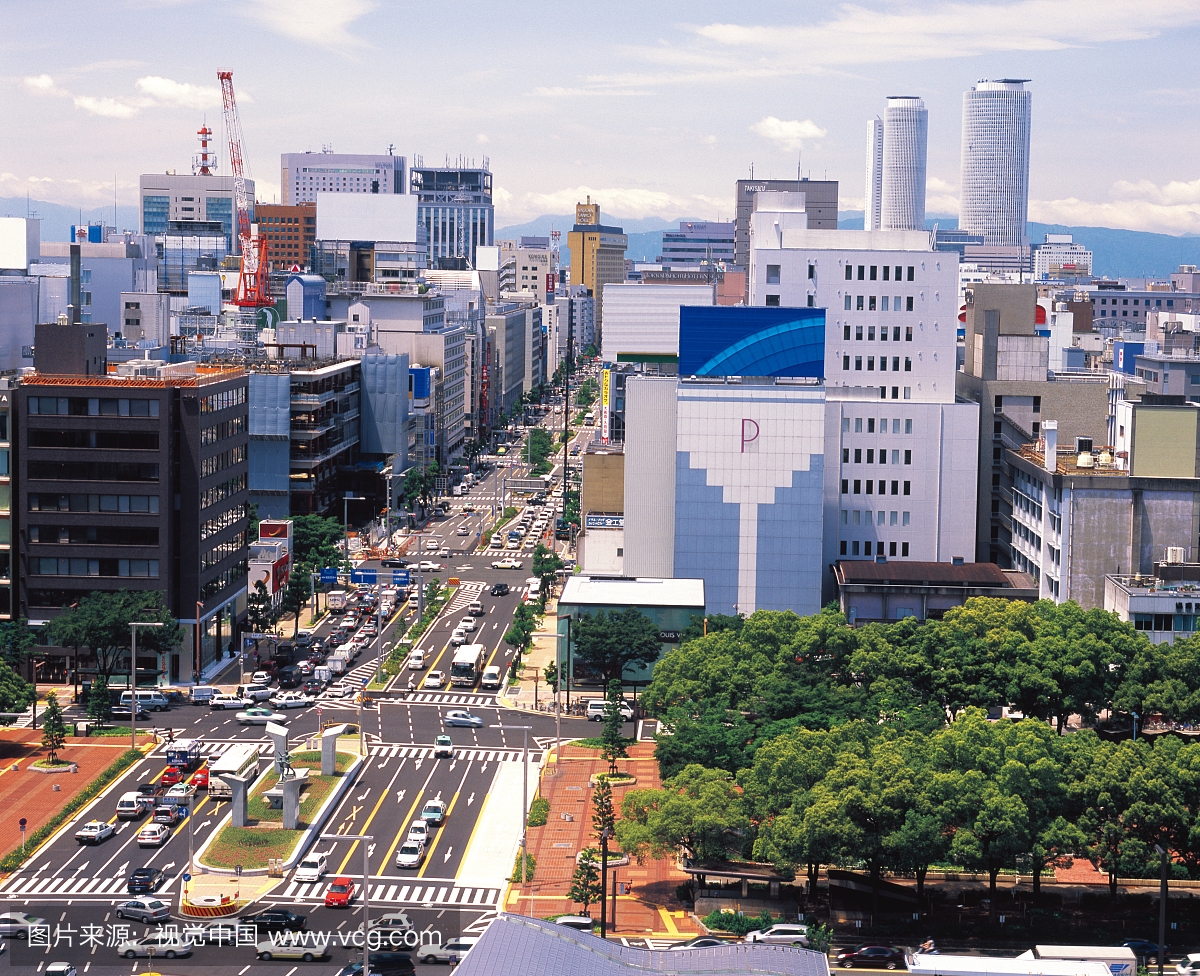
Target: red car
x=200, y=779
x=340, y=894
x=171, y=775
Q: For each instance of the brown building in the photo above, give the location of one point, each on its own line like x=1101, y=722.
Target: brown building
x=290, y=230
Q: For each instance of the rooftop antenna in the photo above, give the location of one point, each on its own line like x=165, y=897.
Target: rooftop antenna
x=752, y=169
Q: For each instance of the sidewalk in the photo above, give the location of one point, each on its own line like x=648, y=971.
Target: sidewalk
x=524, y=694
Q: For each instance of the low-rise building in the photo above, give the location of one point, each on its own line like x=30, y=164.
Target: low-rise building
x=884, y=591
x=1164, y=609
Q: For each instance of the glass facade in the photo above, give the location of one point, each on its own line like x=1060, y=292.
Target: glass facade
x=156, y=211
x=221, y=208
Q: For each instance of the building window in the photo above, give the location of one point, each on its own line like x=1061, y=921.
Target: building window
x=845, y=362
x=908, y=426
x=858, y=362
x=845, y=486
x=861, y=272
x=772, y=301
x=908, y=304
x=858, y=333
x=904, y=549
x=849, y=273
x=857, y=487
x=874, y=271
x=812, y=271
x=773, y=274
x=906, y=517
x=858, y=455
x=847, y=299
x=842, y=550
x=908, y=393
x=854, y=547
x=858, y=425
x=911, y=271
x=908, y=487
x=895, y=487
x=883, y=307
x=908, y=457
x=858, y=303
x=892, y=552
x=907, y=365
x=871, y=308
x=845, y=457
x=812, y=302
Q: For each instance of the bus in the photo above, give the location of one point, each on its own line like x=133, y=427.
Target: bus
x=240, y=760
x=589, y=419
x=467, y=665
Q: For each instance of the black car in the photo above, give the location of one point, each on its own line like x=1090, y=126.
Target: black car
x=393, y=563
x=874, y=956
x=1144, y=950
x=289, y=677
x=275, y=920
x=142, y=881
x=382, y=964
x=151, y=789
x=500, y=589
x=124, y=713
x=313, y=687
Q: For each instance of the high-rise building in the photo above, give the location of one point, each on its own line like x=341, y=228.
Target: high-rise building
x=166, y=197
x=905, y=134
x=698, y=243
x=873, y=199
x=597, y=255
x=455, y=206
x=995, y=161
x=820, y=205
x=303, y=175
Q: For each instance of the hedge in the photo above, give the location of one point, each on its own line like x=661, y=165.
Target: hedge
x=539, y=812
x=15, y=858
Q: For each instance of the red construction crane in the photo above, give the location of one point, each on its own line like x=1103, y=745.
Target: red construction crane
x=254, y=285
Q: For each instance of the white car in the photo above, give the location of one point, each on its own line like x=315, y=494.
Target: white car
x=392, y=921
x=785, y=933
x=456, y=948
x=418, y=830
x=443, y=747
x=180, y=791
x=467, y=623
x=312, y=868
x=60, y=969
x=227, y=701
x=411, y=853
x=153, y=835
x=158, y=946
x=435, y=679
x=94, y=832
x=430, y=567
x=509, y=563
x=444, y=553
x=458, y=638
x=261, y=678
x=290, y=699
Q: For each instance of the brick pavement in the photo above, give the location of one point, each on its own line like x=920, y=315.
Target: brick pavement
x=651, y=907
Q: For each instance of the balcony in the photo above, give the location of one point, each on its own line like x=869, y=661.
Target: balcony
x=303, y=462
x=310, y=400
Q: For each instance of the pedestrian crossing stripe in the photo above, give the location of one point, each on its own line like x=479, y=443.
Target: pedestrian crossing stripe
x=81, y=886
x=464, y=596
x=402, y=894
x=474, y=755
x=445, y=698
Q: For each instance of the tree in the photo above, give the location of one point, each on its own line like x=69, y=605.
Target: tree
x=613, y=737
x=607, y=643
x=550, y=673
x=259, y=611
x=520, y=631
x=16, y=640
x=697, y=811
x=546, y=564
x=995, y=829
x=16, y=694
x=603, y=816
x=315, y=540
x=54, y=731
x=295, y=595
x=99, y=703
x=586, y=884
x=100, y=621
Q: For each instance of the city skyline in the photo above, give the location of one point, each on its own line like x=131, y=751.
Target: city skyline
x=776, y=90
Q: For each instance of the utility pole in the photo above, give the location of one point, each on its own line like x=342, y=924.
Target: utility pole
x=133, y=698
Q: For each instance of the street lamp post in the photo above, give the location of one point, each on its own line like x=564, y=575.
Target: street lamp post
x=133, y=699
x=365, y=840
x=524, y=730
x=1162, y=908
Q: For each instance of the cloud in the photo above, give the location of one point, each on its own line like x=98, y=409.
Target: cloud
x=111, y=108
x=940, y=196
x=633, y=203
x=164, y=91
x=316, y=22
x=787, y=135
x=1173, y=208
x=44, y=85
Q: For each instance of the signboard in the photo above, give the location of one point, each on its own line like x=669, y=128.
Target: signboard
x=670, y=636
x=400, y=577
x=550, y=286
x=605, y=383
x=604, y=521
x=362, y=576
x=329, y=574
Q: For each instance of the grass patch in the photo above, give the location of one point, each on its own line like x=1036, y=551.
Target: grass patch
x=47, y=764
x=14, y=859
x=114, y=732
x=319, y=787
x=530, y=866
x=539, y=812
x=249, y=846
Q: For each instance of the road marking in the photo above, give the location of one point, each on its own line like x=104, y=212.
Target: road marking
x=367, y=823
x=470, y=799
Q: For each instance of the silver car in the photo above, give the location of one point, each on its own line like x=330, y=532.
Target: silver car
x=158, y=946
x=18, y=924
x=456, y=948
x=784, y=933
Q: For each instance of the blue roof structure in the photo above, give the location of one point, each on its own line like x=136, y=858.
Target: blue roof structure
x=740, y=340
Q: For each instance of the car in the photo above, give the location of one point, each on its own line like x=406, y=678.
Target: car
x=499, y=589
x=444, y=552
x=701, y=942
x=411, y=854
x=382, y=964
x=260, y=715
x=94, y=832
x=199, y=779
x=275, y=920
x=60, y=969
x=160, y=944
x=151, y=790
x=597, y=708
x=168, y=814
x=18, y=924
x=784, y=933
x=340, y=893
x=454, y=948
x=873, y=956
x=467, y=623
x=181, y=791
x=145, y=910
x=153, y=835
x=311, y=687
x=475, y=609
x=509, y=563
x=261, y=678
x=393, y=563
x=312, y=868
x=435, y=679
x=430, y=567
x=289, y=699
x=434, y=812
x=305, y=668
x=463, y=530
x=1144, y=950
x=123, y=713
x=254, y=693
x=302, y=949
x=458, y=638
x=418, y=830
x=393, y=921
x=144, y=880
x=171, y=775
x=443, y=748
x=461, y=718
x=222, y=702
x=580, y=923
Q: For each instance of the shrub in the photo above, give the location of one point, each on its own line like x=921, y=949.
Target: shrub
x=539, y=812
x=738, y=924
x=530, y=866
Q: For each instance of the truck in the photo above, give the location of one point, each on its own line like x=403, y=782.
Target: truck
x=1120, y=960
x=939, y=964
x=467, y=665
x=387, y=600
x=336, y=601
x=183, y=753
x=338, y=663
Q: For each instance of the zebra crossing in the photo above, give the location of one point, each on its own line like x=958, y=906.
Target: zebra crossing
x=465, y=595
x=79, y=885
x=449, y=698
x=405, y=894
x=461, y=753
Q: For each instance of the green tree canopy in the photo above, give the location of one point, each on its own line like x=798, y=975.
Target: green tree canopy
x=608, y=642
x=100, y=621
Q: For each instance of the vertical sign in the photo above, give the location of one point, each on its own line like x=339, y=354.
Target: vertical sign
x=605, y=381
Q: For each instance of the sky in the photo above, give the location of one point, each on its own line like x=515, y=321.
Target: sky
x=652, y=109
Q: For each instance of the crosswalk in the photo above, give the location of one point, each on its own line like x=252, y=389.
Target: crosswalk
x=449, y=698
x=79, y=885
x=466, y=594
x=460, y=753
x=405, y=894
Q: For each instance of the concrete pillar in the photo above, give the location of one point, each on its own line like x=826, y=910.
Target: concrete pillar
x=745, y=887
x=329, y=750
x=291, y=802
x=240, y=785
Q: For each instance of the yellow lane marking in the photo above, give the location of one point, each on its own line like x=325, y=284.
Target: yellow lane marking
x=433, y=846
x=387, y=858
x=367, y=823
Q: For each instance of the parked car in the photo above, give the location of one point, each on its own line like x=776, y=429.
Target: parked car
x=162, y=945
x=275, y=920
x=153, y=835
x=94, y=832
x=145, y=910
x=411, y=854
x=303, y=950
x=455, y=948
x=144, y=880
x=434, y=812
x=260, y=715
x=312, y=868
x=340, y=893
x=462, y=718
x=873, y=956
x=785, y=933
x=443, y=748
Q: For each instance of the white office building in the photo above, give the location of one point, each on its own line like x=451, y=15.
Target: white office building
x=165, y=197
x=995, y=161
x=873, y=203
x=905, y=135
x=1059, y=258
x=303, y=175
x=642, y=321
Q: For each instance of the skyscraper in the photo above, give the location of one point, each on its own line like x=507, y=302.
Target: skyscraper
x=995, y=161
x=873, y=204
x=905, y=134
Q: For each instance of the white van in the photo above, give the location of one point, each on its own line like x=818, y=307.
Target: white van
x=416, y=660
x=491, y=677
x=151, y=701
x=132, y=806
x=596, y=708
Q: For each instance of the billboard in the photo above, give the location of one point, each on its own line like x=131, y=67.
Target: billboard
x=740, y=340
x=605, y=384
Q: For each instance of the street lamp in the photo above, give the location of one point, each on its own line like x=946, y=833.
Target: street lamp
x=524, y=730
x=363, y=839
x=133, y=699
x=1162, y=908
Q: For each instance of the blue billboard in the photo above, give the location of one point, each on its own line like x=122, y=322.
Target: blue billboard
x=739, y=340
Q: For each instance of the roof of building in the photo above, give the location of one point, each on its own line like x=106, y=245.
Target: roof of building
x=608, y=591
x=929, y=574
x=547, y=949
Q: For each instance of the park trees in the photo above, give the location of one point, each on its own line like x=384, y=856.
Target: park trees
x=613, y=737
x=100, y=621
x=698, y=810
x=54, y=729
